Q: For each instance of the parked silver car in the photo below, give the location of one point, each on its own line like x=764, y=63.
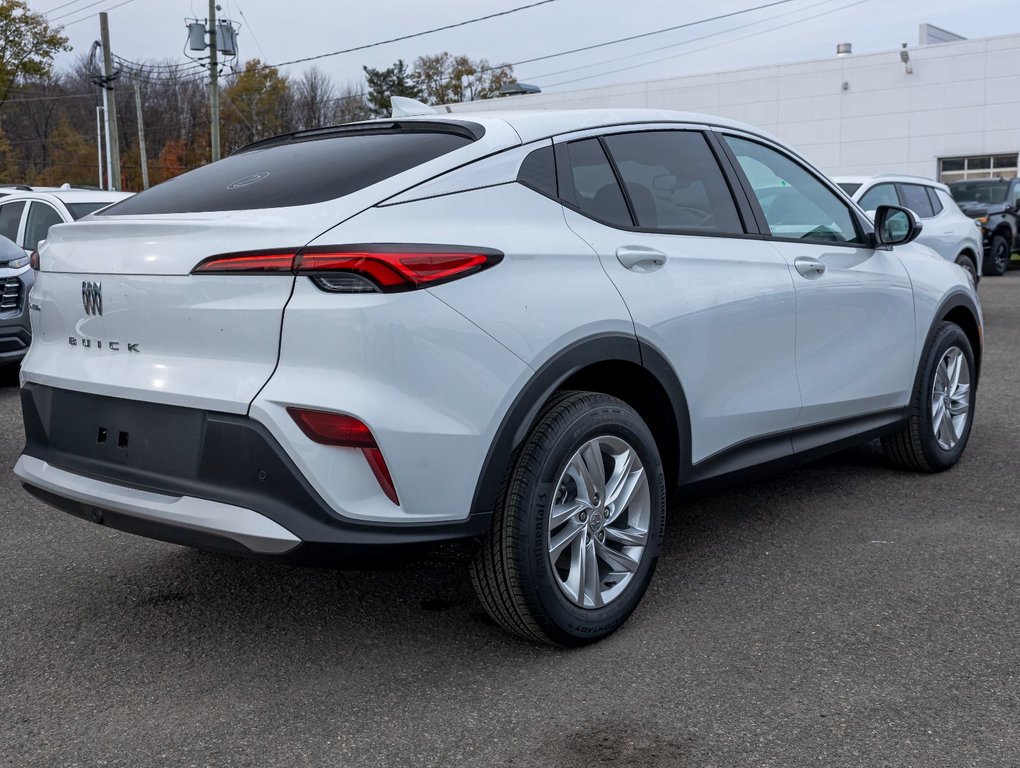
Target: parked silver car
x=946, y=229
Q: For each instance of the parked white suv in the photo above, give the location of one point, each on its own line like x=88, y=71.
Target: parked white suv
x=526, y=328
x=945, y=228
x=26, y=214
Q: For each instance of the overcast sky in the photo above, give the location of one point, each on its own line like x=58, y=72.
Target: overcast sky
x=281, y=30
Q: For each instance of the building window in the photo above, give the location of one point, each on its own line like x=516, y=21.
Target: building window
x=978, y=167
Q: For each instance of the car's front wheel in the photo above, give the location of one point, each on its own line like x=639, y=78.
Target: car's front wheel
x=969, y=266
x=942, y=408
x=998, y=255
x=578, y=525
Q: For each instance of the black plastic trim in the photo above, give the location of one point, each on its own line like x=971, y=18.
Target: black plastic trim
x=468, y=130
x=208, y=455
x=778, y=451
x=522, y=412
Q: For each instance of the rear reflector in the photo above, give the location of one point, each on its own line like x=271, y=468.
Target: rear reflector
x=361, y=269
x=333, y=428
x=348, y=432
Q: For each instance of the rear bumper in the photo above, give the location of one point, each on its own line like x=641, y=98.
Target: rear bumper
x=209, y=480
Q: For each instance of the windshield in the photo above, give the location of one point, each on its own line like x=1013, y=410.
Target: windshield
x=77, y=210
x=849, y=188
x=979, y=191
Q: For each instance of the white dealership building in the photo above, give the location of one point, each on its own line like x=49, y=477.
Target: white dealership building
x=945, y=110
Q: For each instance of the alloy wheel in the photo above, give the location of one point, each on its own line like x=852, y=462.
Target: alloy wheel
x=598, y=526
x=950, y=398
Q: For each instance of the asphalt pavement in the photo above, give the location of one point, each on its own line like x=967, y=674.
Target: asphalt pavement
x=842, y=614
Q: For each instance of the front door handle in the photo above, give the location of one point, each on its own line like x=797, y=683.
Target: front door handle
x=809, y=268
x=640, y=258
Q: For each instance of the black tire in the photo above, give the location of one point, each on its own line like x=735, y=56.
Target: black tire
x=512, y=574
x=970, y=266
x=915, y=446
x=998, y=256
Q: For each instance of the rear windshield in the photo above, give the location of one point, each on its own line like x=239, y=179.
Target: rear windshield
x=292, y=173
x=77, y=210
x=979, y=191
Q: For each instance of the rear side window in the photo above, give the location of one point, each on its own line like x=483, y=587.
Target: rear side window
x=538, y=171
x=77, y=210
x=880, y=194
x=596, y=191
x=294, y=173
x=674, y=182
x=40, y=218
x=933, y=197
x=10, y=219
x=915, y=197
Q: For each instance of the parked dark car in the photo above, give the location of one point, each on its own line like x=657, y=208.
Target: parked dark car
x=995, y=204
x=16, y=278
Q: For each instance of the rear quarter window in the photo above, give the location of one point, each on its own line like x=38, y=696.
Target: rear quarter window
x=293, y=173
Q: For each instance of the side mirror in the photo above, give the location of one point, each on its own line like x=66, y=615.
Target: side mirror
x=895, y=225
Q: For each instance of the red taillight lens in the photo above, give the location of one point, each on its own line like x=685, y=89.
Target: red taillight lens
x=361, y=269
x=33, y=260
x=249, y=263
x=348, y=432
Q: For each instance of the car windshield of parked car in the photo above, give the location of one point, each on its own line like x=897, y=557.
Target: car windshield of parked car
x=979, y=191
x=77, y=210
x=880, y=194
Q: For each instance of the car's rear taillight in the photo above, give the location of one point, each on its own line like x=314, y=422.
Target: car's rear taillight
x=34, y=260
x=346, y=431
x=360, y=268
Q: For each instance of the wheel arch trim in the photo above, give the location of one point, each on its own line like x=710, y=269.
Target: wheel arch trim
x=522, y=413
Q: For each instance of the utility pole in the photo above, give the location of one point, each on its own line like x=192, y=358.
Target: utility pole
x=106, y=134
x=214, y=85
x=141, y=137
x=99, y=144
x=113, y=142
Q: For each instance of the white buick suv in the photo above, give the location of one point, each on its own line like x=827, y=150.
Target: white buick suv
x=528, y=329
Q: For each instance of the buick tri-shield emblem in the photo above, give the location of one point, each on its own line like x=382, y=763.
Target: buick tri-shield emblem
x=92, y=297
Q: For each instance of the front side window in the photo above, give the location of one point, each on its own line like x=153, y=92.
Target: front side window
x=40, y=218
x=1016, y=194
x=674, y=182
x=880, y=194
x=10, y=219
x=596, y=191
x=796, y=204
x=915, y=197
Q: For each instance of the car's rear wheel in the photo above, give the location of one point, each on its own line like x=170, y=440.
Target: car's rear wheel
x=578, y=524
x=969, y=265
x=942, y=409
x=998, y=255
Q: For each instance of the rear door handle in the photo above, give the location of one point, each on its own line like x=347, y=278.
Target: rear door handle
x=640, y=258
x=809, y=268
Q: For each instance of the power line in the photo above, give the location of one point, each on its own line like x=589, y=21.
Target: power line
x=420, y=34
x=91, y=15
x=251, y=30
x=676, y=45
x=685, y=53
x=653, y=32
x=64, y=5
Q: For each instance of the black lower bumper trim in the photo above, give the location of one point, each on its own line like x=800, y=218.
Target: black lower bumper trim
x=189, y=452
